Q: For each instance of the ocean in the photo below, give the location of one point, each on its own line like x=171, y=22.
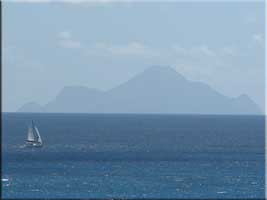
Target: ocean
x=134, y=156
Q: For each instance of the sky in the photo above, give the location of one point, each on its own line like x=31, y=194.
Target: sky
x=101, y=44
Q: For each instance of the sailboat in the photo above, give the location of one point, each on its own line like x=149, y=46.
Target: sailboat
x=33, y=137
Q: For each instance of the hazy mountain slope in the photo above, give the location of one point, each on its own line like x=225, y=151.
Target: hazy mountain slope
x=31, y=107
x=74, y=99
x=156, y=90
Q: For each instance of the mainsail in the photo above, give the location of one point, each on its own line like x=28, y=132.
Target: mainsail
x=30, y=136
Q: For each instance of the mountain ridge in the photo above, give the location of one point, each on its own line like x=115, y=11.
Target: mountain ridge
x=155, y=90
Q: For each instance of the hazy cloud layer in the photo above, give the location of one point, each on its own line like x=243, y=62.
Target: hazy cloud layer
x=221, y=44
x=66, y=40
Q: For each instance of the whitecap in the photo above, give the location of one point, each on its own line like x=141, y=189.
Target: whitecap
x=4, y=179
x=35, y=190
x=221, y=192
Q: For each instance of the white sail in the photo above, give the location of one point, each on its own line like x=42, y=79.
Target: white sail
x=39, y=139
x=30, y=136
x=33, y=137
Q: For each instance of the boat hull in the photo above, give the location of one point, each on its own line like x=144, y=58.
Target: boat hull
x=33, y=144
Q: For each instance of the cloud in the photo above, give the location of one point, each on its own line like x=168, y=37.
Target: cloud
x=65, y=35
x=20, y=60
x=201, y=62
x=203, y=49
x=93, y=2
x=28, y=1
x=258, y=38
x=130, y=49
x=228, y=51
x=199, y=55
x=70, y=44
x=180, y=50
x=66, y=41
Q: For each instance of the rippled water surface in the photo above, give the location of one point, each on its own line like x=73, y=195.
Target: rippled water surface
x=134, y=156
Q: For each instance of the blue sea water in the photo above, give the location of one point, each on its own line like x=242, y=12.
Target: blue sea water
x=134, y=156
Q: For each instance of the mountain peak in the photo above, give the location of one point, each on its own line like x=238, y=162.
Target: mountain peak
x=162, y=71
x=159, y=68
x=244, y=96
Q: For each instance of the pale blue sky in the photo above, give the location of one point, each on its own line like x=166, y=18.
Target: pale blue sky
x=47, y=46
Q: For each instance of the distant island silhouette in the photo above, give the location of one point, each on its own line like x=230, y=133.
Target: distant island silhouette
x=155, y=90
